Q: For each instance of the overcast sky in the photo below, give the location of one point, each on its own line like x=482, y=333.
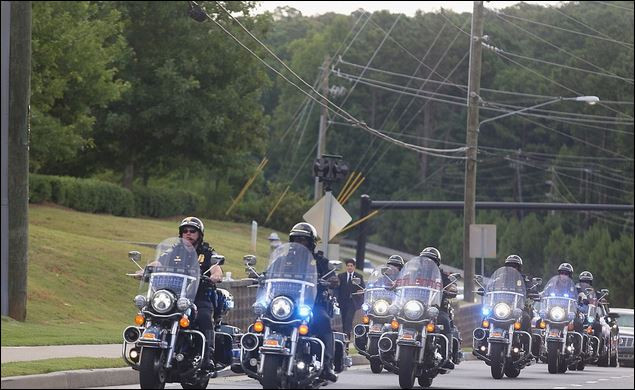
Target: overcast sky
x=409, y=8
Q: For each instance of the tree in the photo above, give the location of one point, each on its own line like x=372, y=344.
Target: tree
x=76, y=46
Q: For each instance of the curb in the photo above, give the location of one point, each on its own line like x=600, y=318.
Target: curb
x=95, y=378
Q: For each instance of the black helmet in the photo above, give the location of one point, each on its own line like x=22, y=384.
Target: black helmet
x=586, y=276
x=432, y=253
x=396, y=261
x=193, y=222
x=514, y=261
x=566, y=268
x=306, y=231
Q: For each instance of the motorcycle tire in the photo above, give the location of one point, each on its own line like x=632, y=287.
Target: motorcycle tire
x=151, y=372
x=553, y=357
x=581, y=366
x=511, y=371
x=497, y=365
x=407, y=367
x=562, y=365
x=425, y=382
x=270, y=377
x=376, y=366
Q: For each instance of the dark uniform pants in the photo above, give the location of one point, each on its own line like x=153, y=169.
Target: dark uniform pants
x=321, y=325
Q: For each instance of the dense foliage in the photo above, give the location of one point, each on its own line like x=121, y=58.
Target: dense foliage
x=140, y=94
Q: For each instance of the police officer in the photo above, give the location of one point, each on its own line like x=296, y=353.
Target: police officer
x=395, y=261
x=515, y=262
x=443, y=318
x=192, y=230
x=305, y=234
x=566, y=270
x=585, y=280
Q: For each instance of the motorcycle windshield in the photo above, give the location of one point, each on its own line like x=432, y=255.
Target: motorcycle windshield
x=420, y=280
x=378, y=284
x=589, y=309
x=291, y=273
x=174, y=268
x=560, y=292
x=506, y=286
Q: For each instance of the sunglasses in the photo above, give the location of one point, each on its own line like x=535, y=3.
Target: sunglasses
x=189, y=230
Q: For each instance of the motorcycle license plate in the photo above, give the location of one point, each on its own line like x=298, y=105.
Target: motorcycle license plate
x=554, y=333
x=497, y=333
x=274, y=341
x=375, y=328
x=408, y=335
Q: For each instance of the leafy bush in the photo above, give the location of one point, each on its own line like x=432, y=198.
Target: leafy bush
x=161, y=202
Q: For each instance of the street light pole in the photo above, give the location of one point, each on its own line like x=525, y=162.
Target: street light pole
x=470, y=183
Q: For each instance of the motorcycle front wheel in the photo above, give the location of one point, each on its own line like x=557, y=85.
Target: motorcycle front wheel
x=376, y=365
x=497, y=364
x=553, y=356
x=511, y=371
x=407, y=367
x=270, y=377
x=151, y=371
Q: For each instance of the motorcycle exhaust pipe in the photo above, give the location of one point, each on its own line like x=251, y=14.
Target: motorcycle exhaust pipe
x=359, y=330
x=479, y=334
x=384, y=344
x=131, y=334
x=249, y=342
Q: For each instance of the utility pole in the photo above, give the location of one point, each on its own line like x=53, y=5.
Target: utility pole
x=321, y=149
x=471, y=141
x=18, y=150
x=519, y=182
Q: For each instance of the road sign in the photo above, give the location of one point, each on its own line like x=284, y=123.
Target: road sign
x=339, y=217
x=483, y=241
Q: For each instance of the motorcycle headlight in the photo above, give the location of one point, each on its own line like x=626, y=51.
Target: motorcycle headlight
x=502, y=310
x=163, y=301
x=281, y=308
x=304, y=311
x=183, y=304
x=380, y=307
x=557, y=314
x=140, y=301
x=365, y=307
x=413, y=310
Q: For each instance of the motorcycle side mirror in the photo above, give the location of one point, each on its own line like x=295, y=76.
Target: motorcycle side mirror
x=605, y=291
x=134, y=256
x=536, y=281
x=588, y=290
x=480, y=291
x=336, y=264
x=218, y=259
x=249, y=260
x=356, y=281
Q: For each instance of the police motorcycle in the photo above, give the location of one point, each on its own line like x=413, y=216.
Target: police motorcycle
x=163, y=347
x=587, y=313
x=609, y=335
x=415, y=346
x=379, y=294
x=279, y=350
x=558, y=310
x=500, y=341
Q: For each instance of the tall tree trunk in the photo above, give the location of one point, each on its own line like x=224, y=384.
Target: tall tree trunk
x=18, y=168
x=128, y=176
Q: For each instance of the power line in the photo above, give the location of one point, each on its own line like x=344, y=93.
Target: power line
x=615, y=6
x=551, y=44
x=564, y=29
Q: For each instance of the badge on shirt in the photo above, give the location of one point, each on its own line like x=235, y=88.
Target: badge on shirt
x=201, y=258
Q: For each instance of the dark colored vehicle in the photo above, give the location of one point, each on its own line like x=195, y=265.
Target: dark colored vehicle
x=163, y=347
x=378, y=296
x=500, y=342
x=279, y=350
x=558, y=310
x=415, y=348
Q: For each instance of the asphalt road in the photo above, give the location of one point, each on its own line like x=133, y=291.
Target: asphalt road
x=469, y=374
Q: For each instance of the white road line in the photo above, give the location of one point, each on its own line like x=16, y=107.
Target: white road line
x=575, y=385
x=559, y=387
x=591, y=381
x=616, y=377
x=603, y=379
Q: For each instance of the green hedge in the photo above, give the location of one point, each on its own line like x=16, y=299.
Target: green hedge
x=96, y=196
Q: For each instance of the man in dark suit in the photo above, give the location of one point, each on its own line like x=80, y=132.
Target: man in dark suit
x=349, y=302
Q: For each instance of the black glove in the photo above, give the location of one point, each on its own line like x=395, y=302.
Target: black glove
x=206, y=282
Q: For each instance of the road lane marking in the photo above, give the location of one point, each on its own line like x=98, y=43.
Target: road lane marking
x=591, y=381
x=575, y=385
x=616, y=377
x=560, y=387
x=603, y=379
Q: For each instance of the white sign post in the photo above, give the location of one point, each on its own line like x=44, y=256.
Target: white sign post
x=482, y=243
x=254, y=236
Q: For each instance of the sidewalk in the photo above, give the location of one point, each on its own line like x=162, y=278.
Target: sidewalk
x=20, y=354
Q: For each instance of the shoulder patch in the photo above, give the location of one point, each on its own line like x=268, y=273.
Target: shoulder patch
x=201, y=258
